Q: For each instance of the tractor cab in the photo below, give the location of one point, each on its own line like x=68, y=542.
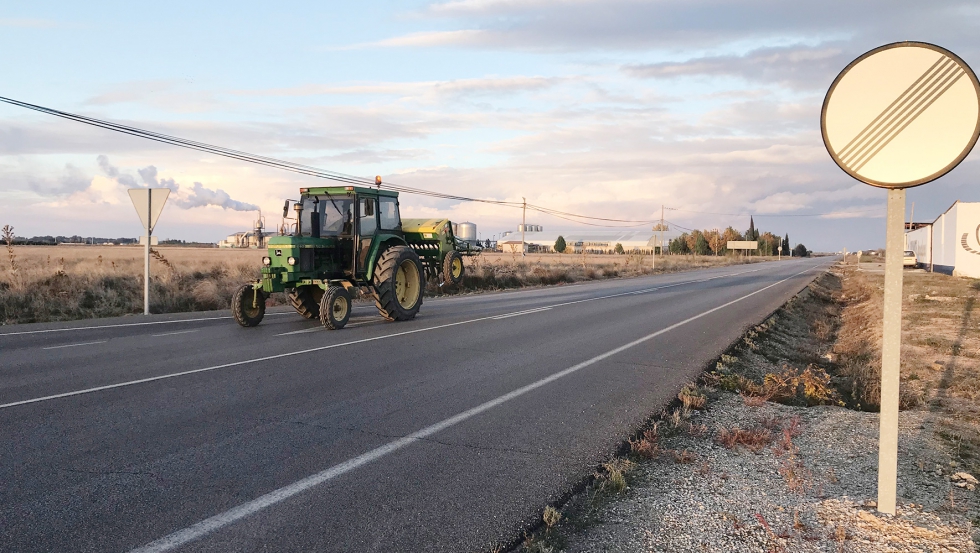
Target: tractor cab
x=335, y=230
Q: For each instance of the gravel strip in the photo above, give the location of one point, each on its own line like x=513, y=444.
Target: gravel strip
x=737, y=500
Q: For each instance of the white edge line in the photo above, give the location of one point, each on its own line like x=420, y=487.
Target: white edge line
x=175, y=333
x=208, y=525
x=73, y=345
x=312, y=350
x=120, y=325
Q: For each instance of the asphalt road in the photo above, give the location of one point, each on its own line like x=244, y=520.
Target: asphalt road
x=446, y=433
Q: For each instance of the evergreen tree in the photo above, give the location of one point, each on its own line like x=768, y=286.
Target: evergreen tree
x=701, y=245
x=786, y=244
x=560, y=244
x=679, y=244
x=751, y=234
x=619, y=248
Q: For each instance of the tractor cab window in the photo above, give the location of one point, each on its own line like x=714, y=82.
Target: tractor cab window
x=388, y=209
x=335, y=214
x=367, y=212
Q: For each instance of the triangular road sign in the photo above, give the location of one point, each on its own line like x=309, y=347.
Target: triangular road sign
x=149, y=203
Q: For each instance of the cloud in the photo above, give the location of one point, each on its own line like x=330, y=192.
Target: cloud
x=72, y=180
x=423, y=91
x=201, y=196
x=466, y=37
x=797, y=67
x=29, y=23
x=676, y=25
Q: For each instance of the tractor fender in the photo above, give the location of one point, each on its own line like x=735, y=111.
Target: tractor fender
x=381, y=243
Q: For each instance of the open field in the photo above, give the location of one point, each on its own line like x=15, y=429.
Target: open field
x=57, y=283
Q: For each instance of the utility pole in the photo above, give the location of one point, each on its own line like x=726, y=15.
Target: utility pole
x=661, y=231
x=523, y=227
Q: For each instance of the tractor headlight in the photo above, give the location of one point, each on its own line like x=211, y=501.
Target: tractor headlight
x=291, y=260
x=267, y=261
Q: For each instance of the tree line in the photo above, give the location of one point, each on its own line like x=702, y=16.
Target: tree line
x=714, y=242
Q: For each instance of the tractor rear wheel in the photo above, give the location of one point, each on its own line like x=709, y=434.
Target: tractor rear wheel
x=335, y=307
x=452, y=268
x=306, y=300
x=398, y=283
x=248, y=305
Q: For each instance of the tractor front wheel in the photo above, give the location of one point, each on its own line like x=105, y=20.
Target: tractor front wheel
x=335, y=307
x=248, y=305
x=306, y=300
x=398, y=283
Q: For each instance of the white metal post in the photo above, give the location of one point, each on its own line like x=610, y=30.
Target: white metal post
x=146, y=251
x=891, y=350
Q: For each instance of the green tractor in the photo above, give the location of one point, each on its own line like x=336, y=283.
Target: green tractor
x=347, y=240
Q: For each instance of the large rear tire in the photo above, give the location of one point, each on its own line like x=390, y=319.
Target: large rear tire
x=398, y=283
x=335, y=308
x=248, y=309
x=306, y=300
x=452, y=268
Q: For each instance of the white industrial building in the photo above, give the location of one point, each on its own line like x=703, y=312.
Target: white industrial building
x=951, y=243
x=592, y=241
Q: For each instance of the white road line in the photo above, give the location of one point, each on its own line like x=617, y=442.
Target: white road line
x=519, y=313
x=244, y=510
x=304, y=331
x=174, y=333
x=75, y=345
x=123, y=325
x=312, y=350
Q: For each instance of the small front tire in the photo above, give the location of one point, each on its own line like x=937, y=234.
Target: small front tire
x=335, y=308
x=248, y=305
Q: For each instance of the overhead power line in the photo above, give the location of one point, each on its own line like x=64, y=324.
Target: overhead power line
x=355, y=180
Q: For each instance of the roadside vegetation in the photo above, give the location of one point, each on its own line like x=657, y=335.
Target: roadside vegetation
x=60, y=283
x=774, y=448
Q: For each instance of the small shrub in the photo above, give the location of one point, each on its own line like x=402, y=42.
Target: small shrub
x=646, y=446
x=614, y=479
x=692, y=398
x=753, y=439
x=550, y=517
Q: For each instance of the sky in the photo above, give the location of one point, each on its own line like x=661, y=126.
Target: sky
x=611, y=108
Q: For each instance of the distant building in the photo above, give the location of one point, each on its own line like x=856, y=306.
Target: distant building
x=591, y=241
x=245, y=240
x=256, y=238
x=951, y=243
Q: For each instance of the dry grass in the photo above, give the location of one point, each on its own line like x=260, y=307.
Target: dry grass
x=57, y=283
x=76, y=282
x=754, y=439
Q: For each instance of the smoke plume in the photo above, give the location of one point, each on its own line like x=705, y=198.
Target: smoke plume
x=112, y=172
x=201, y=196
x=198, y=196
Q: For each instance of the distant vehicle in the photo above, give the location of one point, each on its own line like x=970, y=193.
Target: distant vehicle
x=910, y=260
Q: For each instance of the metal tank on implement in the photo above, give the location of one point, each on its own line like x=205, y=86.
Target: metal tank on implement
x=466, y=232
